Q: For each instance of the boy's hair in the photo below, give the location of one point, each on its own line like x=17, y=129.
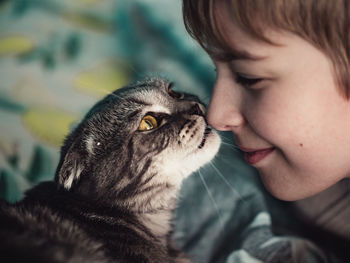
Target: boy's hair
x=323, y=23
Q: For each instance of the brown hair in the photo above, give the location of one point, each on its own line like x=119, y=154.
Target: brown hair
x=323, y=23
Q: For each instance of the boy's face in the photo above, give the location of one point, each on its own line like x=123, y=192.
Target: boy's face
x=285, y=111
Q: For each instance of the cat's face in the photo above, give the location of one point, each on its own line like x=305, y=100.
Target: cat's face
x=140, y=137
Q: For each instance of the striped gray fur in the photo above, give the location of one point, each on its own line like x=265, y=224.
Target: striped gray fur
x=116, y=186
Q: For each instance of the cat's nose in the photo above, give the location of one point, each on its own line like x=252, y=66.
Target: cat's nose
x=196, y=110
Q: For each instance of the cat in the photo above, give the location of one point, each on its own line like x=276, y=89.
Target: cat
x=116, y=183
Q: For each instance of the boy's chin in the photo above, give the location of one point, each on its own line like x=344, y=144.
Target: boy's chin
x=289, y=190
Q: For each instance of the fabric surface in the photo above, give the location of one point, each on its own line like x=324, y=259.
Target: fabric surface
x=58, y=57
x=329, y=210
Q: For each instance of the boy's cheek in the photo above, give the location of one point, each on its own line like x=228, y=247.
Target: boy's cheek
x=292, y=177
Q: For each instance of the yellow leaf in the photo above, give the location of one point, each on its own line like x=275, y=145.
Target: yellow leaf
x=48, y=124
x=88, y=21
x=15, y=45
x=87, y=2
x=103, y=79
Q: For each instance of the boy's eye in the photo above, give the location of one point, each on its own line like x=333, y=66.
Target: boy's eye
x=148, y=123
x=246, y=81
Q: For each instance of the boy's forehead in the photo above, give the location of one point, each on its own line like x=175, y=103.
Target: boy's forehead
x=239, y=44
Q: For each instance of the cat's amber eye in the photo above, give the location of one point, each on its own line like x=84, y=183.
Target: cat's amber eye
x=174, y=94
x=147, y=123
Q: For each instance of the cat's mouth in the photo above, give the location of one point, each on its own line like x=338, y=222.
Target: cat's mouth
x=207, y=131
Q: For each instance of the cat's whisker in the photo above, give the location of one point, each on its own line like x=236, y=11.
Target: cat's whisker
x=206, y=100
x=133, y=69
x=235, y=192
x=108, y=92
x=223, y=138
x=115, y=95
x=105, y=91
x=233, y=147
x=126, y=64
x=212, y=199
x=230, y=144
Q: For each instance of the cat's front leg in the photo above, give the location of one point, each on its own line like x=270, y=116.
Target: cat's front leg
x=176, y=255
x=179, y=257
x=181, y=260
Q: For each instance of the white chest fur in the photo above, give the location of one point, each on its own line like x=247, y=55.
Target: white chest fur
x=158, y=223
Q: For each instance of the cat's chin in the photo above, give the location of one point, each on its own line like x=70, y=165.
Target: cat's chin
x=207, y=149
x=178, y=170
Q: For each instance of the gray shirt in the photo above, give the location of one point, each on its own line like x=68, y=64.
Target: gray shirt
x=329, y=210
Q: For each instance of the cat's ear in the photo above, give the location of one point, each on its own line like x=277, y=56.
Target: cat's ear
x=71, y=165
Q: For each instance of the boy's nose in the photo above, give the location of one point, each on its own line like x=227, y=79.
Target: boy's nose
x=223, y=112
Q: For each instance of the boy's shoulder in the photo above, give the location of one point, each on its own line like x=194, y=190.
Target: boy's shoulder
x=329, y=209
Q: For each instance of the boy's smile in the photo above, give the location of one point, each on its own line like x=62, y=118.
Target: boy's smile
x=254, y=156
x=285, y=110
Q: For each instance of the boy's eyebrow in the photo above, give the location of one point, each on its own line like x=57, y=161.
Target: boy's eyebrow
x=235, y=55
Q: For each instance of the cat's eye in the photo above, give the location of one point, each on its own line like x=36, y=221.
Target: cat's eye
x=176, y=95
x=147, y=123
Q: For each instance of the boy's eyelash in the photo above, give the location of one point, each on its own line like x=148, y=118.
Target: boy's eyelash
x=245, y=81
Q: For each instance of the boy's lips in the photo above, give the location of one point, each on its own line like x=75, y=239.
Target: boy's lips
x=253, y=156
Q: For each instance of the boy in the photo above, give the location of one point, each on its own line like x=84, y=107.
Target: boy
x=283, y=88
